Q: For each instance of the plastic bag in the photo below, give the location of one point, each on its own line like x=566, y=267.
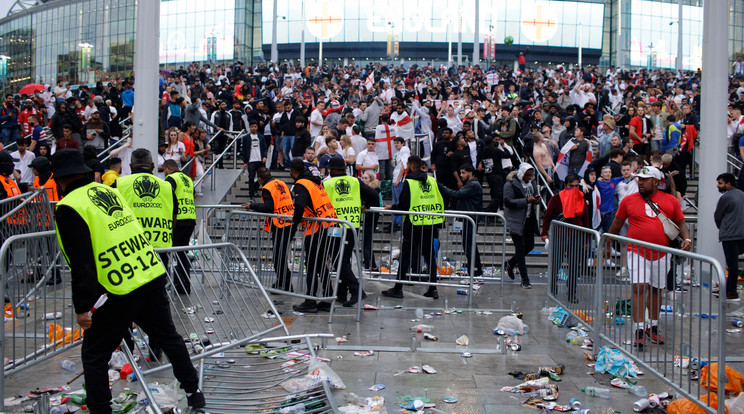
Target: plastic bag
x=511, y=322
x=57, y=333
x=166, y=396
x=362, y=405
x=613, y=362
x=685, y=406
x=118, y=360
x=318, y=372
x=558, y=316
x=709, y=373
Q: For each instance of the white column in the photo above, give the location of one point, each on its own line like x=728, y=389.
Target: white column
x=459, y=33
x=712, y=147
x=145, y=117
x=302, y=38
x=581, y=32
x=476, y=40
x=679, y=37
x=274, y=50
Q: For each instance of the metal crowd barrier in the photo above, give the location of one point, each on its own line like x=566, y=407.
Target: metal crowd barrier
x=26, y=213
x=290, y=252
x=450, y=256
x=612, y=297
x=692, y=323
x=573, y=262
x=234, y=332
x=38, y=322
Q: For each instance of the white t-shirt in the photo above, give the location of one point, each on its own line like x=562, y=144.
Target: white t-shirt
x=320, y=139
x=27, y=174
x=366, y=159
x=315, y=116
x=160, y=174
x=125, y=155
x=255, y=149
x=346, y=153
x=624, y=189
x=174, y=152
x=473, y=152
x=401, y=160
x=359, y=143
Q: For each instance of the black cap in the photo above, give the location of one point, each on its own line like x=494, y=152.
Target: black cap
x=41, y=164
x=337, y=163
x=5, y=157
x=68, y=161
x=161, y=142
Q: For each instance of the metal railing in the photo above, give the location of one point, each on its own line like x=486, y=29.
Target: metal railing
x=643, y=300
x=12, y=145
x=284, y=254
x=233, y=145
x=226, y=310
x=211, y=139
x=734, y=163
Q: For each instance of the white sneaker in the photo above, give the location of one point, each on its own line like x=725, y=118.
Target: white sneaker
x=609, y=263
x=623, y=273
x=614, y=252
x=199, y=194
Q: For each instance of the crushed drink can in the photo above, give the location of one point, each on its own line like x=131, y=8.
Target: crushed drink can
x=737, y=323
x=462, y=291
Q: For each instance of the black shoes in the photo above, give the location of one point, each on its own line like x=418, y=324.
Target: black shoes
x=196, y=400
x=324, y=306
x=526, y=284
x=509, y=270
x=393, y=293
x=432, y=293
x=308, y=306
x=353, y=300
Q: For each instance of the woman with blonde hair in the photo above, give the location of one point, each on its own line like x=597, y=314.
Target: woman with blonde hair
x=349, y=155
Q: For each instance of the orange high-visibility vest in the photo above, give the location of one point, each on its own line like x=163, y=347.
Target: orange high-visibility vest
x=51, y=186
x=282, y=203
x=322, y=206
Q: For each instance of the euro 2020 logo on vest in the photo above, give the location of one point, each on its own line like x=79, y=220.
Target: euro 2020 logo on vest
x=342, y=187
x=425, y=186
x=280, y=188
x=146, y=186
x=185, y=180
x=106, y=200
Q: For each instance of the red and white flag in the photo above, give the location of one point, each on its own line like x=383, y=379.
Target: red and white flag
x=370, y=81
x=561, y=168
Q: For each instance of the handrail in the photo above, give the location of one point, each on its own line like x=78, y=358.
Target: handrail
x=692, y=204
x=29, y=136
x=219, y=157
x=734, y=162
x=540, y=176
x=185, y=166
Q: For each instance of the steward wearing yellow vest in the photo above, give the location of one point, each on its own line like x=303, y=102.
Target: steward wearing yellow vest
x=183, y=187
x=348, y=196
x=108, y=253
x=311, y=200
x=277, y=199
x=420, y=194
x=152, y=200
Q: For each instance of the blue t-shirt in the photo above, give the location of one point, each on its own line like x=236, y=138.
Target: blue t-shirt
x=323, y=161
x=741, y=141
x=607, y=194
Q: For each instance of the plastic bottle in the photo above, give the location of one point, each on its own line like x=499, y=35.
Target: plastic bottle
x=422, y=328
x=77, y=399
x=68, y=365
x=419, y=313
x=55, y=410
x=638, y=390
x=596, y=392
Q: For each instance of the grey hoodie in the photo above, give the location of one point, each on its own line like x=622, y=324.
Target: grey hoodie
x=729, y=215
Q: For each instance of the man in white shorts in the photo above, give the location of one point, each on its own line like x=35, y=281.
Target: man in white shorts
x=648, y=268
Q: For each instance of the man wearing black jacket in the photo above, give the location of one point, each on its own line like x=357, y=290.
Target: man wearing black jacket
x=419, y=194
x=468, y=198
x=340, y=192
x=288, y=125
x=222, y=119
x=141, y=298
x=311, y=200
x=301, y=140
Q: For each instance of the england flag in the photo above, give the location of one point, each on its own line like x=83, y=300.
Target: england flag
x=561, y=168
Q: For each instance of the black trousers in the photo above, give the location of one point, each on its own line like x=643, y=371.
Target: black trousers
x=731, y=250
x=348, y=282
x=149, y=308
x=523, y=244
x=316, y=253
x=282, y=237
x=252, y=183
x=496, y=189
x=576, y=252
x=418, y=241
x=467, y=245
x=181, y=235
x=370, y=222
x=218, y=146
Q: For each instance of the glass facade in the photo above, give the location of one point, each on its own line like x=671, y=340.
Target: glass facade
x=83, y=41
x=543, y=23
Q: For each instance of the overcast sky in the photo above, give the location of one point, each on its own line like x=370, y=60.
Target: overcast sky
x=4, y=6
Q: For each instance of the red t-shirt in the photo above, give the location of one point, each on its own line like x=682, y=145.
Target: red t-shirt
x=638, y=123
x=644, y=225
x=189, y=145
